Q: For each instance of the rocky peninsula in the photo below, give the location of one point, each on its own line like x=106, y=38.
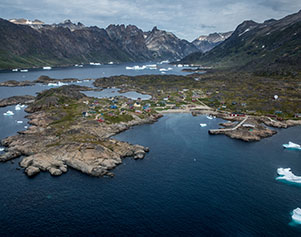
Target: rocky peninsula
x=68, y=129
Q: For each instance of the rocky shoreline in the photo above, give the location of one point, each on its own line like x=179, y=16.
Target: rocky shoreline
x=14, y=100
x=54, y=143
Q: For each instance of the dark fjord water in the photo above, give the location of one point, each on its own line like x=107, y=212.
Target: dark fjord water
x=190, y=183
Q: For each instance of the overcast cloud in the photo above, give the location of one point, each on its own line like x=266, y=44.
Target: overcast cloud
x=187, y=19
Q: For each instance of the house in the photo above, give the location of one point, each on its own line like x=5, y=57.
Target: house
x=297, y=115
x=137, y=105
x=247, y=125
x=236, y=114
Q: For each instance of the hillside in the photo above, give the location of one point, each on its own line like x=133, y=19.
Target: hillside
x=272, y=46
x=25, y=43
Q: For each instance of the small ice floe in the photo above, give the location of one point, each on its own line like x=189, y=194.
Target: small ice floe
x=210, y=117
x=151, y=66
x=79, y=81
x=19, y=122
x=111, y=63
x=8, y=113
x=180, y=65
x=57, y=84
x=95, y=64
x=25, y=127
x=163, y=62
x=85, y=80
x=163, y=72
x=24, y=70
x=1, y=148
x=203, y=125
x=286, y=174
x=136, y=68
x=15, y=70
x=47, y=68
x=292, y=145
x=18, y=107
x=296, y=215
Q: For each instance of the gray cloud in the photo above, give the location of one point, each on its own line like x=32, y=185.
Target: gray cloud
x=187, y=19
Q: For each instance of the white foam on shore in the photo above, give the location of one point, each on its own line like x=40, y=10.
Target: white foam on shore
x=9, y=113
x=296, y=215
x=286, y=174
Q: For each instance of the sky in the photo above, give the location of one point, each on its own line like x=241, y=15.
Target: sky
x=187, y=19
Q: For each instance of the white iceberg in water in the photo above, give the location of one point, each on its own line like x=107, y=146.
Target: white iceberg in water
x=19, y=122
x=203, y=125
x=1, y=149
x=292, y=145
x=210, y=117
x=47, y=68
x=296, y=215
x=136, y=68
x=8, y=113
x=57, y=84
x=287, y=175
x=18, y=107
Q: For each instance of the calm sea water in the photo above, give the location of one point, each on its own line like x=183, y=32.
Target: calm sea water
x=189, y=184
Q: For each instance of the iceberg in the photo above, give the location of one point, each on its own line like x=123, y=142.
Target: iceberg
x=136, y=68
x=1, y=149
x=286, y=174
x=296, y=215
x=47, y=68
x=19, y=122
x=24, y=70
x=18, y=107
x=180, y=65
x=8, y=113
x=15, y=70
x=203, y=125
x=57, y=84
x=292, y=145
x=209, y=117
x=163, y=62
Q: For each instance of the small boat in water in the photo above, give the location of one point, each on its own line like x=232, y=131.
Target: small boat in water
x=47, y=68
x=203, y=125
x=15, y=70
x=292, y=145
x=24, y=70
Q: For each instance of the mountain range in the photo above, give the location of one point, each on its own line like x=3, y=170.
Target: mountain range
x=207, y=42
x=25, y=43
x=273, y=46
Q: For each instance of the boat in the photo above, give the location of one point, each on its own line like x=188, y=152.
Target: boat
x=203, y=125
x=24, y=70
x=209, y=117
x=47, y=68
x=292, y=145
x=15, y=70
